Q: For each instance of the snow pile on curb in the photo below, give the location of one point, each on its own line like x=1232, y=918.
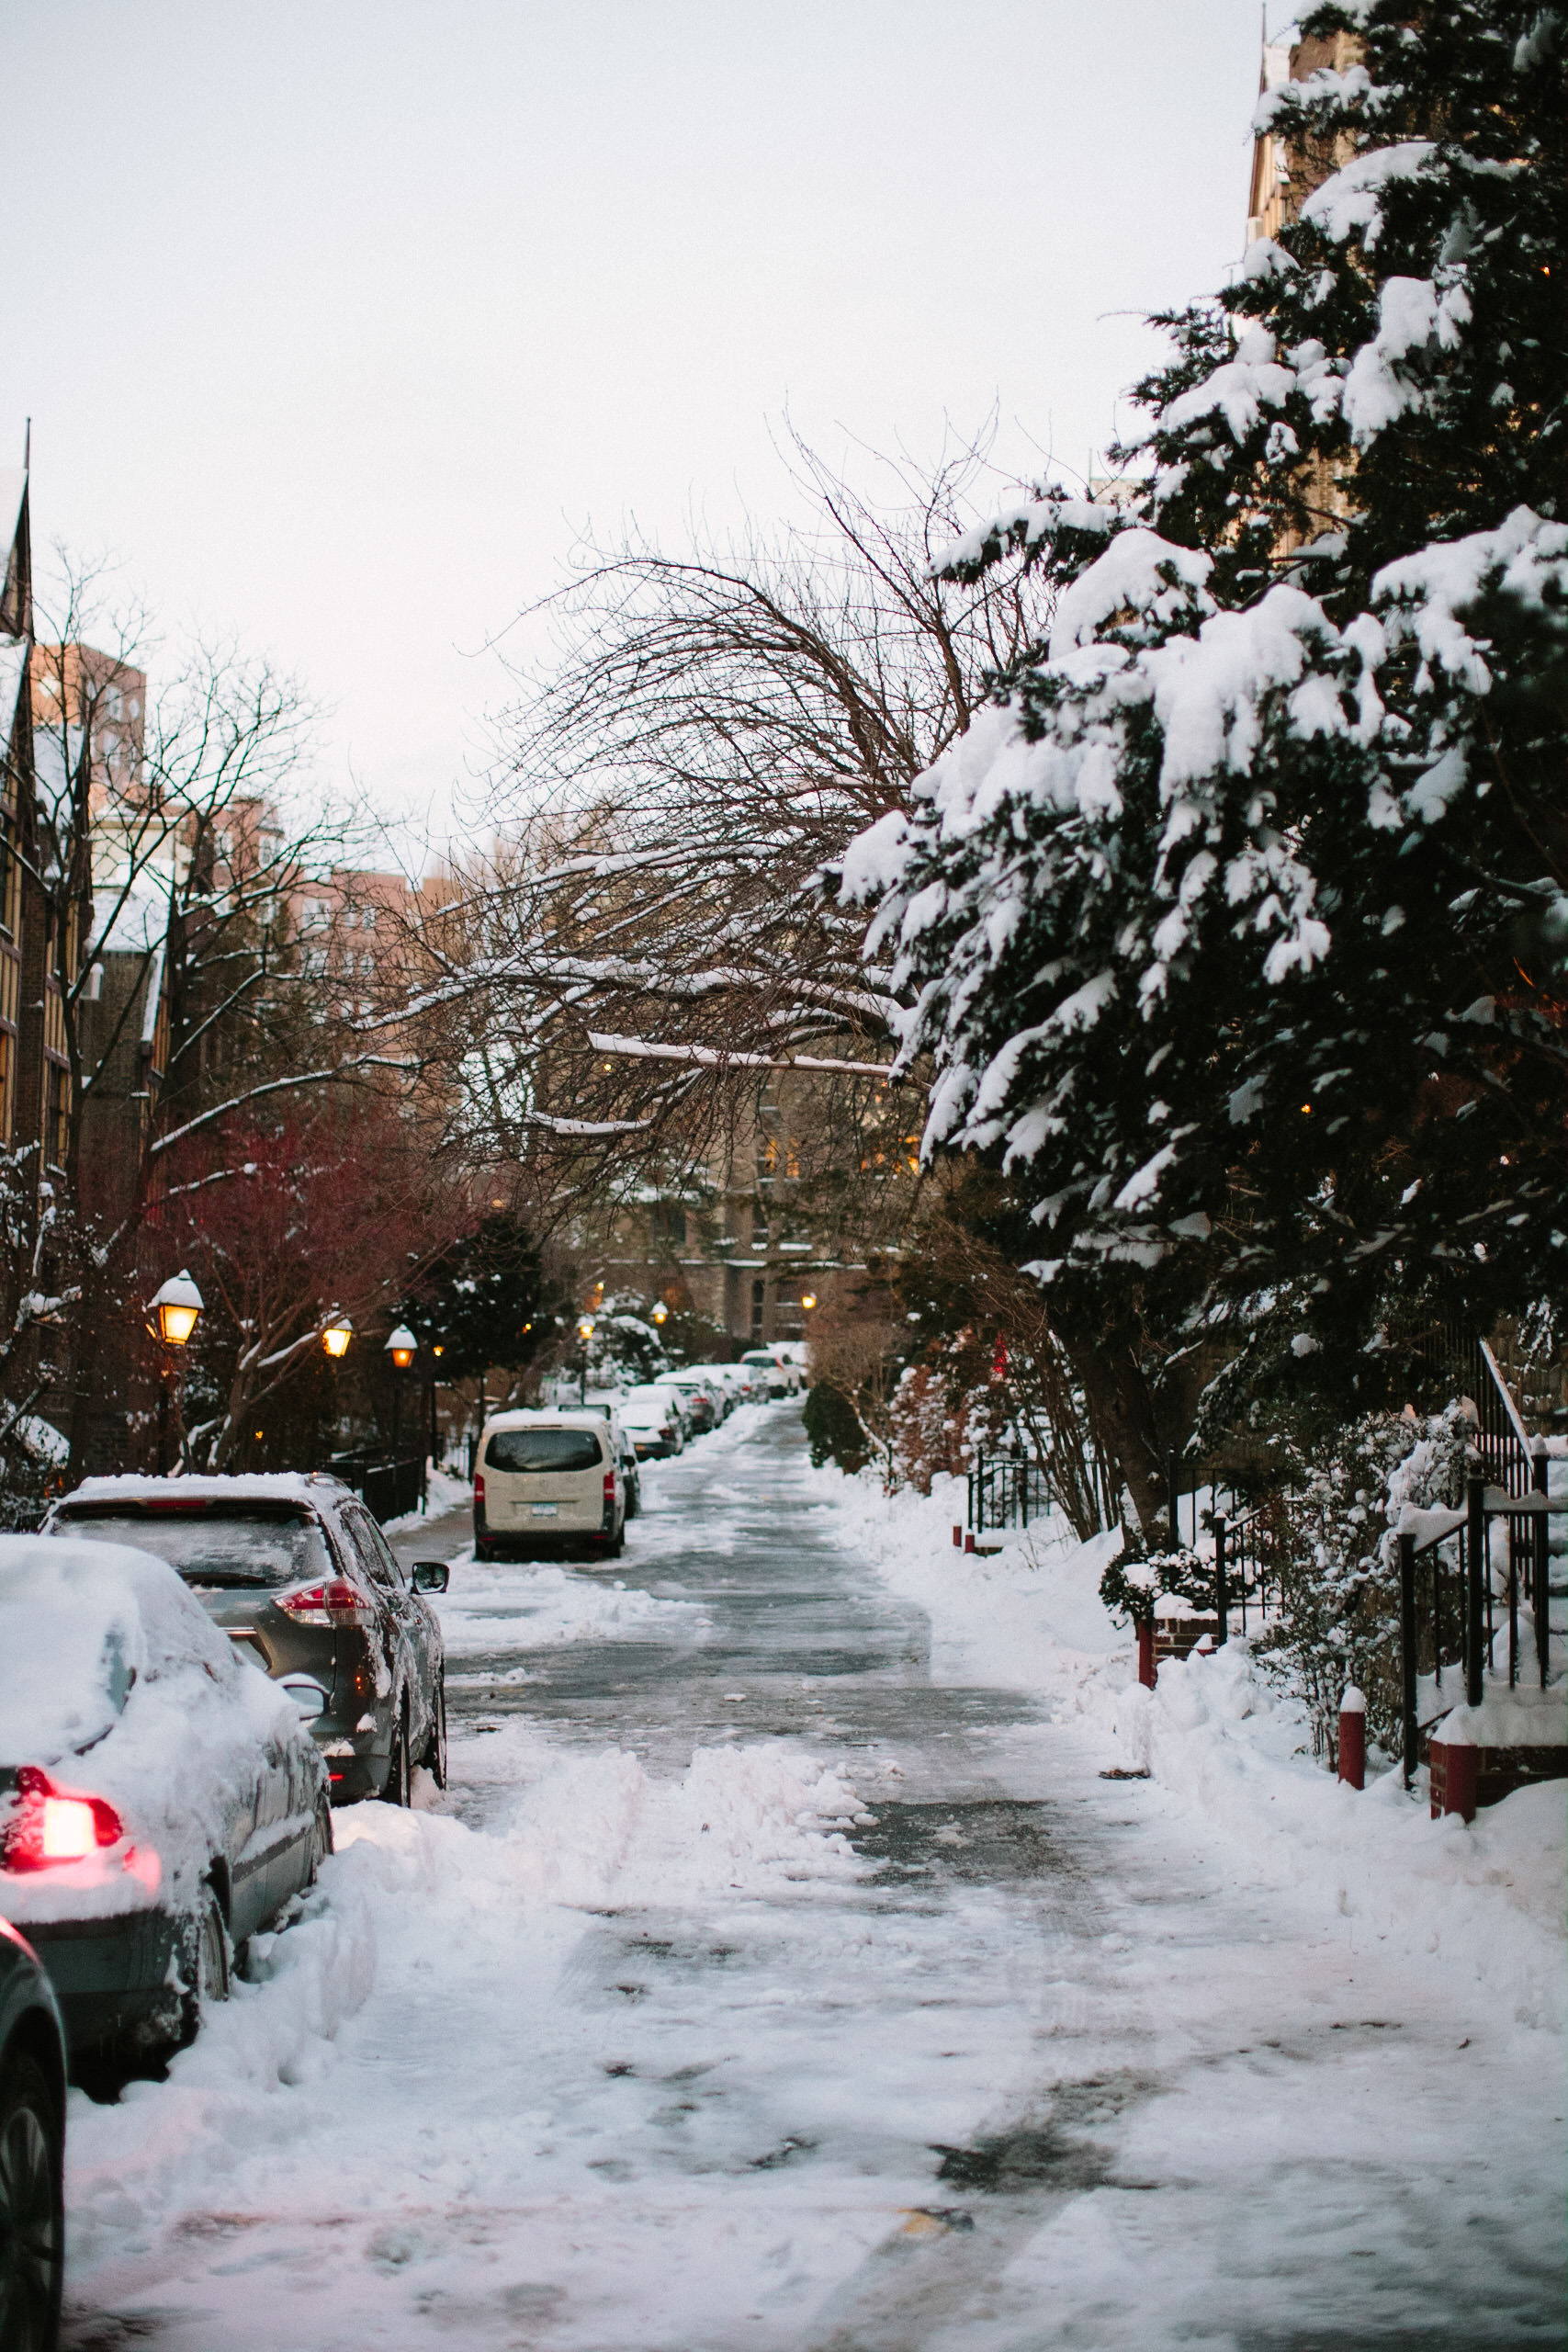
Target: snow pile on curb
x=542, y=1607
x=164, y=2142
x=1486, y=1902
x=1027, y=1618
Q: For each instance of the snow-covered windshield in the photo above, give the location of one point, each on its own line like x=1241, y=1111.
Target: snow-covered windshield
x=70, y=1649
x=542, y=1449
x=212, y=1547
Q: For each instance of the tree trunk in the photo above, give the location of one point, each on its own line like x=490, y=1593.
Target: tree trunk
x=1122, y=1410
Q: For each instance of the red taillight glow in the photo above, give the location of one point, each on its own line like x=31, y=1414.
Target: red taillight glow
x=48, y=1827
x=479, y=1490
x=609, y=1486
x=335, y=1603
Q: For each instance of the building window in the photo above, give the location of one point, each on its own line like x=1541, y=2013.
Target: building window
x=758, y=1303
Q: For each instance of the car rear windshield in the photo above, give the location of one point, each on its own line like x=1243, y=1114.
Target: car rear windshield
x=542, y=1450
x=228, y=1545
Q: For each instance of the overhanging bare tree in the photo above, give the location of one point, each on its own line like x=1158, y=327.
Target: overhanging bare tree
x=651, y=930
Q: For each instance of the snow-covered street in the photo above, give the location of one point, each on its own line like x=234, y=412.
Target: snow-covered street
x=753, y=1987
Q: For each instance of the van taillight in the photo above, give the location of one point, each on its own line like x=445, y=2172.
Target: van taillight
x=479, y=1490
x=609, y=1486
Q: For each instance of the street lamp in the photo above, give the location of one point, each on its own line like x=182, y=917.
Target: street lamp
x=402, y=1347
x=584, y=1332
x=660, y=1310
x=336, y=1335
x=175, y=1308
x=172, y=1318
x=808, y=1300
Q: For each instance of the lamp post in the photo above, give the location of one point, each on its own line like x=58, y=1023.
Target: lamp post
x=584, y=1332
x=172, y=1316
x=402, y=1347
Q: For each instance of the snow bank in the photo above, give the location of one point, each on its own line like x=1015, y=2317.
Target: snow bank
x=540, y=1606
x=1027, y=1618
x=181, y=2142
x=1486, y=1902
x=443, y=1493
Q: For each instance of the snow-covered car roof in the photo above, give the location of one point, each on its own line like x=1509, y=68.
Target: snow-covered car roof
x=313, y=1487
x=109, y=1668
x=553, y=1416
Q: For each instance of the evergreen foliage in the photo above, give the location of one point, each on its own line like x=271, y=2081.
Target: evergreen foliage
x=487, y=1301
x=1238, y=924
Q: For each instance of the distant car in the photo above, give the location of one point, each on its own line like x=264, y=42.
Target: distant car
x=731, y=1382
x=652, y=1418
x=159, y=1799
x=296, y=1572
x=701, y=1399
x=546, y=1480
x=782, y=1377
x=631, y=1475
x=32, y=2149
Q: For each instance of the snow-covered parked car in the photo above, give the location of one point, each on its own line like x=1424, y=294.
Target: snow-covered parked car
x=32, y=2150
x=159, y=1800
x=652, y=1418
x=295, y=1571
x=704, y=1408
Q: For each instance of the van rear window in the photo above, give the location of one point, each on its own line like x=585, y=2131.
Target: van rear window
x=542, y=1450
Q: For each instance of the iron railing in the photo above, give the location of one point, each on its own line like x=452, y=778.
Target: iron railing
x=387, y=1489
x=1006, y=1490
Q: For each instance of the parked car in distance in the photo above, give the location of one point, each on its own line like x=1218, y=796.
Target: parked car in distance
x=159, y=1799
x=296, y=1572
x=631, y=1475
x=546, y=1481
x=32, y=2150
x=652, y=1418
x=733, y=1384
x=782, y=1377
x=701, y=1398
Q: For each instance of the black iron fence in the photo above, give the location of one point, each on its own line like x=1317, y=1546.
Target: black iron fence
x=1006, y=1490
x=387, y=1489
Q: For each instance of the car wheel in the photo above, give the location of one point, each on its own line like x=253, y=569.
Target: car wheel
x=434, y=1756
x=399, y=1789
x=321, y=1839
x=33, y=2220
x=208, y=1963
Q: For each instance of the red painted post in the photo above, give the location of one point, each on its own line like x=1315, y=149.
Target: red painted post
x=1459, y=1780
x=958, y=1539
x=1353, y=1738
x=1147, y=1653
x=969, y=1542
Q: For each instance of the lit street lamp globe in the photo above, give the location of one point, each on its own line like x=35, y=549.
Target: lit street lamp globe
x=402, y=1347
x=336, y=1335
x=175, y=1308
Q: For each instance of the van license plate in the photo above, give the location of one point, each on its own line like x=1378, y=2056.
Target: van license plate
x=545, y=1511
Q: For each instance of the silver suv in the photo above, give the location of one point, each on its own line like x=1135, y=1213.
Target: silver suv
x=295, y=1571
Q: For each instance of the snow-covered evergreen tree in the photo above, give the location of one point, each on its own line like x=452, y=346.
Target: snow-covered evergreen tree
x=1237, y=926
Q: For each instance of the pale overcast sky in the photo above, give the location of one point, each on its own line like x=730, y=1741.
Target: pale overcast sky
x=336, y=319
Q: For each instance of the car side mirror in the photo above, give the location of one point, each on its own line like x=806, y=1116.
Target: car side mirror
x=431, y=1575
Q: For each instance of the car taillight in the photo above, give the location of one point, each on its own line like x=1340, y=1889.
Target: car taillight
x=50, y=1826
x=335, y=1603
x=479, y=1490
x=609, y=1486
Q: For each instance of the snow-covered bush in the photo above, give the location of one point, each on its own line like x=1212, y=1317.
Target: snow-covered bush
x=1339, y=1575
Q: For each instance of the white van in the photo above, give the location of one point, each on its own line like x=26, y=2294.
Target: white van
x=547, y=1479
x=783, y=1378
